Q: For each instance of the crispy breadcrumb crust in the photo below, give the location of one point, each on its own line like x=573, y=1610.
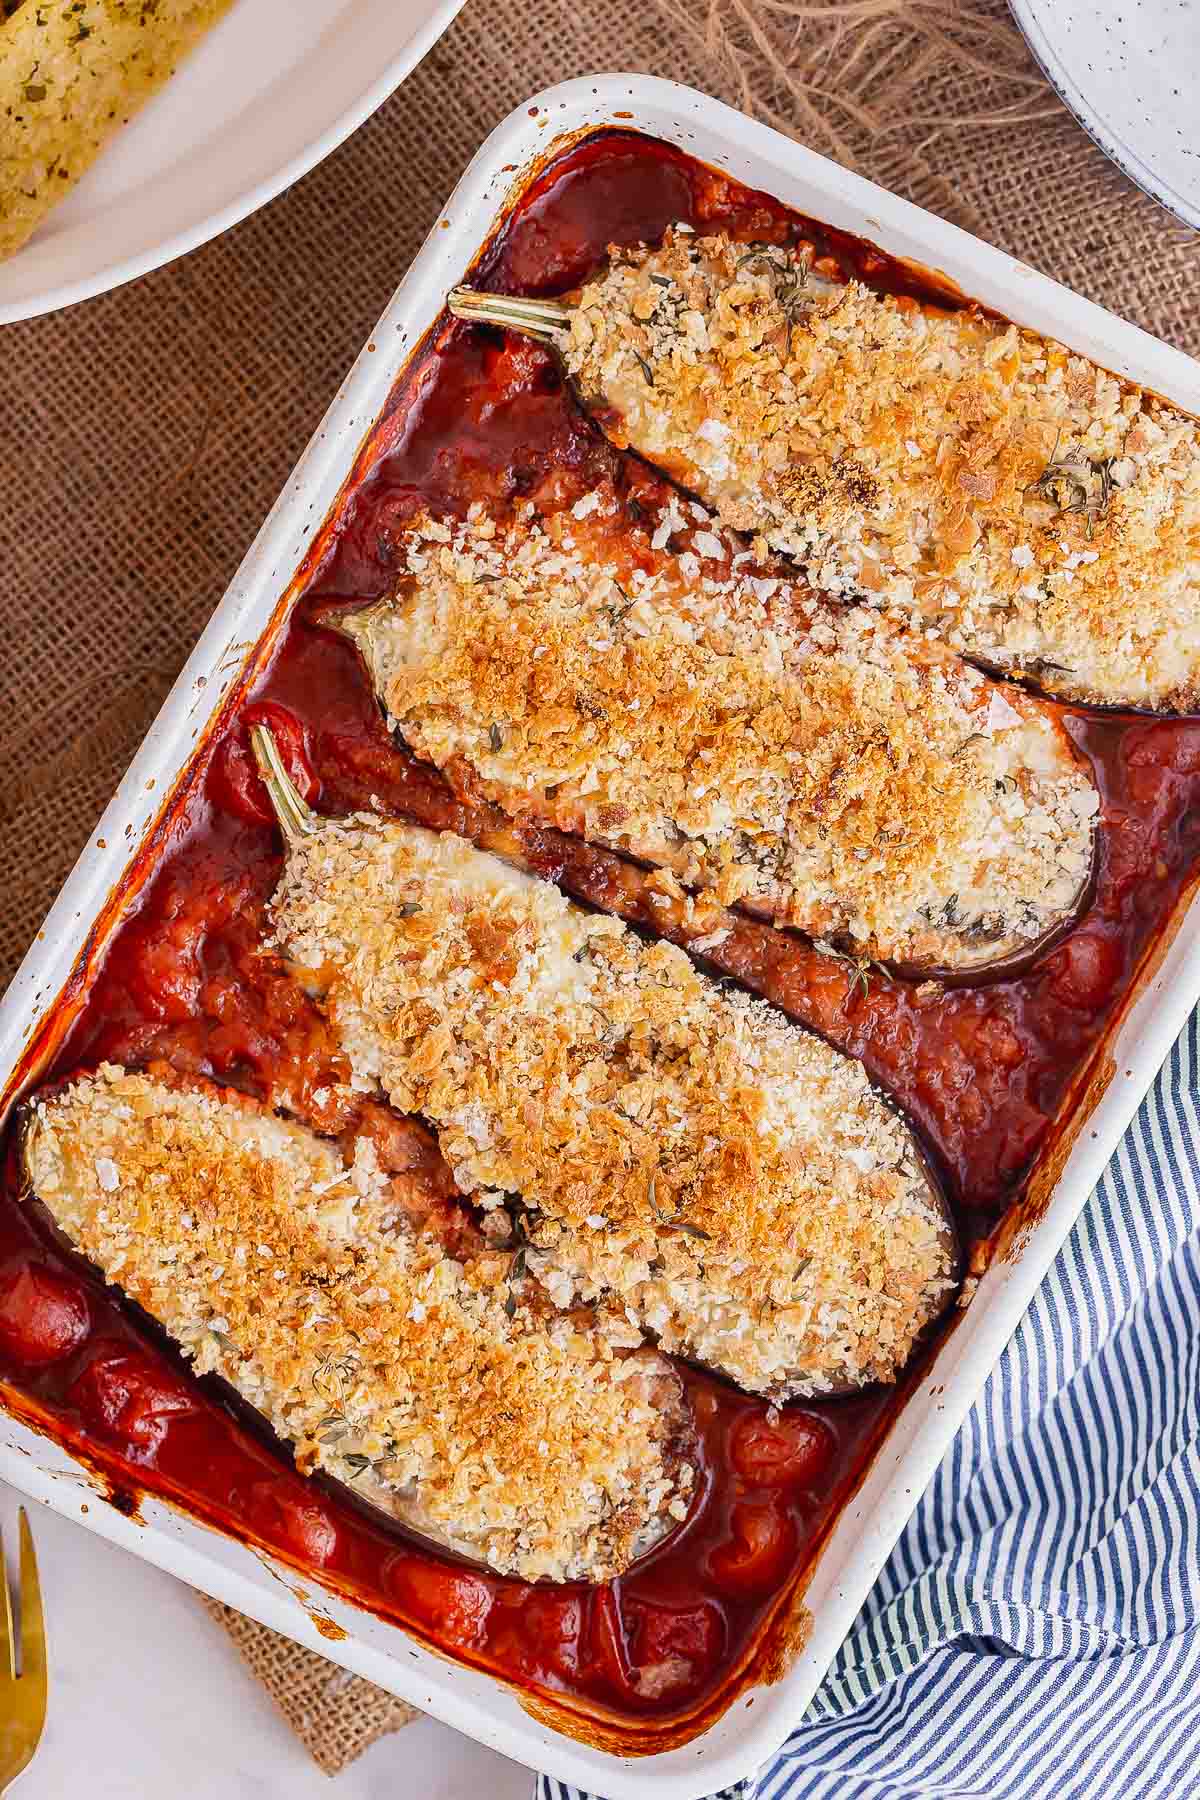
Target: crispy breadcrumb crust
x=809, y=762
x=730, y=1180
x=1036, y=510
x=275, y=1262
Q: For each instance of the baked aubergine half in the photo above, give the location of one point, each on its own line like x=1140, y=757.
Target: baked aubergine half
x=1040, y=512
x=546, y=1444
x=815, y=765
x=723, y=1178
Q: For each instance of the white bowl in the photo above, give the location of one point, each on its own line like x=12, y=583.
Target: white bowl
x=272, y=89
x=1130, y=72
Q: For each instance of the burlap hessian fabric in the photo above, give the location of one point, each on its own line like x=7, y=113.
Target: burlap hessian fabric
x=339, y=1715
x=144, y=434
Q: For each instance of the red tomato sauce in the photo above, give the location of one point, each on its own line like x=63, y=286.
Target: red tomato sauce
x=984, y=1069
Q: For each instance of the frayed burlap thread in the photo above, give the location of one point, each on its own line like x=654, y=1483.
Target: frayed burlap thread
x=144, y=434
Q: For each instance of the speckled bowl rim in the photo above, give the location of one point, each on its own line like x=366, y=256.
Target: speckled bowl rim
x=1140, y=172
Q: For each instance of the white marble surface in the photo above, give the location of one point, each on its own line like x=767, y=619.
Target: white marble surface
x=148, y=1700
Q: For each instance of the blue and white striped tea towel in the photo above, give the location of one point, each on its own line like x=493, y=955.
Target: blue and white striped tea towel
x=1035, y=1635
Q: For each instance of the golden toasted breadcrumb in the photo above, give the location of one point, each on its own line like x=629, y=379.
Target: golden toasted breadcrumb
x=276, y=1262
x=809, y=762
x=731, y=1181
x=1039, y=512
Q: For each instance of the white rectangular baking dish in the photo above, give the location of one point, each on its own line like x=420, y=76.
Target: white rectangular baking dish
x=867, y=1529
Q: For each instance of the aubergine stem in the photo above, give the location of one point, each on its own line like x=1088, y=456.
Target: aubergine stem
x=355, y=623
x=545, y=320
x=295, y=819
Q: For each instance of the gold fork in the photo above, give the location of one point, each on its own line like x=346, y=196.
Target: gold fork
x=23, y=1696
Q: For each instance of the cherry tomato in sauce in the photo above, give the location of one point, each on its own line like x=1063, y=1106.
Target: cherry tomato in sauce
x=44, y=1313
x=671, y=1648
x=571, y=216
x=605, y=1659
x=1085, y=968
x=762, y=1543
x=284, y=1510
x=127, y=1396
x=537, y=1630
x=452, y=1602
x=792, y=1450
x=236, y=778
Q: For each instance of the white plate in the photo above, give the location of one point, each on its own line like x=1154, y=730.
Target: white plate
x=757, y=1722
x=272, y=89
x=1130, y=72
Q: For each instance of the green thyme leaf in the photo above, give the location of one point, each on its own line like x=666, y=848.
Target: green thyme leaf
x=976, y=737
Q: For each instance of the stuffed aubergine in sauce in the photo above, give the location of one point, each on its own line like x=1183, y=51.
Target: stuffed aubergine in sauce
x=811, y=764
x=728, y=1181
x=548, y=1444
x=1039, y=512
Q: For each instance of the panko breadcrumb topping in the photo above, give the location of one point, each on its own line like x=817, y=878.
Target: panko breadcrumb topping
x=284, y=1266
x=1036, y=510
x=809, y=762
x=731, y=1181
